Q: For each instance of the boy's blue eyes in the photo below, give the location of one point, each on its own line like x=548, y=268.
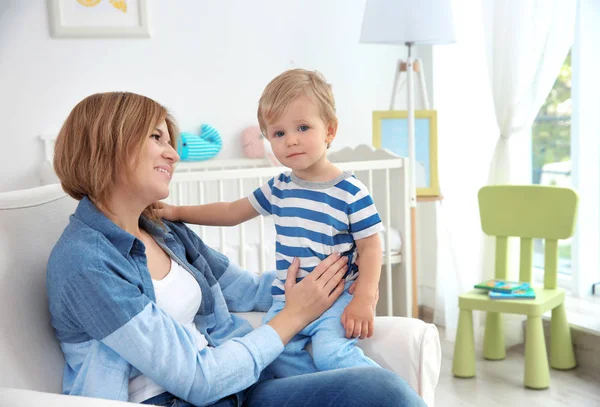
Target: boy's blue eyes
x=281, y=133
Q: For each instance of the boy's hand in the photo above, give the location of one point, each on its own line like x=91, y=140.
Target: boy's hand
x=358, y=317
x=166, y=211
x=353, y=288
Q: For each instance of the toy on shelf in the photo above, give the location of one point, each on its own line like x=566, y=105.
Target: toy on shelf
x=199, y=147
x=255, y=145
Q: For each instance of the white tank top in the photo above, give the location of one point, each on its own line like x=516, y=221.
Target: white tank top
x=179, y=295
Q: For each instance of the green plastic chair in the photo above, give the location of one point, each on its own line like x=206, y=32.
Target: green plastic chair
x=527, y=212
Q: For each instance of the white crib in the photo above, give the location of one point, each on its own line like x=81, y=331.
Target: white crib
x=252, y=244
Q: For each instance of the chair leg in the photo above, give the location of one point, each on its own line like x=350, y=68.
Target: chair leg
x=493, y=340
x=463, y=363
x=537, y=373
x=561, y=348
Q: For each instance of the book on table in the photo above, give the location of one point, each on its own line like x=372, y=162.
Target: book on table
x=521, y=294
x=502, y=286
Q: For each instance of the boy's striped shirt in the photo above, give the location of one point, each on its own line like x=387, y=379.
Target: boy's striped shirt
x=314, y=220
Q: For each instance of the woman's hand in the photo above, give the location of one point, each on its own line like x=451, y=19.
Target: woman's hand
x=307, y=300
x=316, y=292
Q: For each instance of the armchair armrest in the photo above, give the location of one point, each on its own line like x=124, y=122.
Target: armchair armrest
x=409, y=347
x=21, y=397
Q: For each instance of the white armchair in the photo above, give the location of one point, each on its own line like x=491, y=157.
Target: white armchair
x=31, y=362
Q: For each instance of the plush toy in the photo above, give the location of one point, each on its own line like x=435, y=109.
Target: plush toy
x=255, y=145
x=199, y=147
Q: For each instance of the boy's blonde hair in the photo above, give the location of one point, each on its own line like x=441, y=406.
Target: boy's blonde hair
x=288, y=86
x=104, y=136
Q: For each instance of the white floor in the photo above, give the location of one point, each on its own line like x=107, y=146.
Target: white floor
x=583, y=312
x=500, y=383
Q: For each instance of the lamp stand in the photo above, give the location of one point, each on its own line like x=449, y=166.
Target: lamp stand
x=410, y=66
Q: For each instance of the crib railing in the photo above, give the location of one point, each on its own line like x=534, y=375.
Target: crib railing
x=197, y=185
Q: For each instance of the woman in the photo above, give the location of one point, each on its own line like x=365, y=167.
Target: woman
x=141, y=307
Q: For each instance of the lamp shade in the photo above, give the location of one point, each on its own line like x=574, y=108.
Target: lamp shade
x=402, y=21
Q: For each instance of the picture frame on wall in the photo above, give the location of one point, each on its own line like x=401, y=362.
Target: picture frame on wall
x=98, y=18
x=390, y=131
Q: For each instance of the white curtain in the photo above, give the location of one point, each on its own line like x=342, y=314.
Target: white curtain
x=527, y=42
x=491, y=82
x=466, y=137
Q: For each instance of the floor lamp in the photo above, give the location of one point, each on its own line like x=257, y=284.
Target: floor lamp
x=409, y=22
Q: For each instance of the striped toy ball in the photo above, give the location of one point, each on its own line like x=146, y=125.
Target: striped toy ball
x=206, y=145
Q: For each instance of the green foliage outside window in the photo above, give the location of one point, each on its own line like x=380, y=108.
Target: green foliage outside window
x=551, y=133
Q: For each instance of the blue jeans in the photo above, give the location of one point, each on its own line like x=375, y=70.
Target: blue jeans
x=352, y=387
x=331, y=349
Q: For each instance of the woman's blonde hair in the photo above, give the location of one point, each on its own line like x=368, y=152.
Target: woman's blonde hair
x=290, y=85
x=104, y=136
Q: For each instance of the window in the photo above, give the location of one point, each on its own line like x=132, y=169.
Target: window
x=551, y=155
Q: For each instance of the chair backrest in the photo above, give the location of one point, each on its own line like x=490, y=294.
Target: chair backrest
x=31, y=222
x=528, y=212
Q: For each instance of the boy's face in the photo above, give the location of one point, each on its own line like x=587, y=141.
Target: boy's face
x=299, y=138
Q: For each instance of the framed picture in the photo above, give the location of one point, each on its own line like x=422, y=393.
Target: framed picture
x=98, y=18
x=390, y=131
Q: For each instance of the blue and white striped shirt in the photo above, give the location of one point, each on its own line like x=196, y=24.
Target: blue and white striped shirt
x=315, y=219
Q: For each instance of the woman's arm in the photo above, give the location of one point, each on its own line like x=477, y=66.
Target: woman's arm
x=115, y=312
x=245, y=291
x=214, y=214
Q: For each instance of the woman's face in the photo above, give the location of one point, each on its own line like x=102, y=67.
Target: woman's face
x=152, y=173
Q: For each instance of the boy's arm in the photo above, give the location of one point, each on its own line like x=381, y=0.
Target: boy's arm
x=369, y=253
x=358, y=316
x=364, y=226
x=221, y=213
x=216, y=214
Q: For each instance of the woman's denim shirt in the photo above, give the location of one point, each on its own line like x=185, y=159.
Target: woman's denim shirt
x=103, y=310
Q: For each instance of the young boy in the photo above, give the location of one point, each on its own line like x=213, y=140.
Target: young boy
x=318, y=210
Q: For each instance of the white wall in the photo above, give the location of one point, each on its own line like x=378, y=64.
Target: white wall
x=206, y=61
